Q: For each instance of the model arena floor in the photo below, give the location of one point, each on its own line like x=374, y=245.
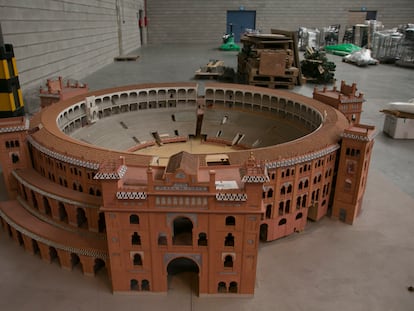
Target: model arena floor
x=329, y=266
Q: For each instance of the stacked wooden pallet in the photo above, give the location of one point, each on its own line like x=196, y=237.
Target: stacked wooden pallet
x=269, y=60
x=213, y=70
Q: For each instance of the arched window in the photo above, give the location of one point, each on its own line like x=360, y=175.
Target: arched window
x=299, y=216
x=81, y=218
x=304, y=200
x=298, y=202
x=287, y=206
x=137, y=260
x=269, y=211
x=135, y=239
x=162, y=239
x=306, y=185
x=221, y=288
x=34, y=200
x=46, y=206
x=228, y=262
x=183, y=231
x=229, y=240
x=282, y=222
x=289, y=189
x=145, y=285
x=281, y=208
x=233, y=287
x=270, y=193
x=63, y=215
x=101, y=222
x=91, y=191
x=134, y=284
x=300, y=185
x=230, y=221
x=134, y=219
x=283, y=190
x=202, y=239
x=15, y=158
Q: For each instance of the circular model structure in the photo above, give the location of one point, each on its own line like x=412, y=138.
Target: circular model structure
x=147, y=179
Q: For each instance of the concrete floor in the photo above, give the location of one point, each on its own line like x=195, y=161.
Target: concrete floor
x=329, y=266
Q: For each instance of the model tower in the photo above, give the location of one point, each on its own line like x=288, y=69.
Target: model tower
x=346, y=100
x=356, y=149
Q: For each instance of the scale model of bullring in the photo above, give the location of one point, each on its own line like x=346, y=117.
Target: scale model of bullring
x=96, y=202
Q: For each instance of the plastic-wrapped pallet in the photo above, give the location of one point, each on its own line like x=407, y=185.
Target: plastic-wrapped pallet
x=385, y=45
x=407, y=47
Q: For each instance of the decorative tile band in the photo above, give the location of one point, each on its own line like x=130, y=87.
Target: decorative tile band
x=231, y=197
x=303, y=159
x=131, y=195
x=356, y=137
x=255, y=178
x=61, y=157
x=19, y=128
x=113, y=175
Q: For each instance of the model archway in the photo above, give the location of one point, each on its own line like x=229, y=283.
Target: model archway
x=184, y=271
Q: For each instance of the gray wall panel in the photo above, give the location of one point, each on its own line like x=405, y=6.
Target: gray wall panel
x=205, y=21
x=67, y=38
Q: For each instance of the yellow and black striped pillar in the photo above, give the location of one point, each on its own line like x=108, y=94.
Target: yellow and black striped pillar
x=11, y=99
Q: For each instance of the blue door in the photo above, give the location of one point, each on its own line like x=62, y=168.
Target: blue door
x=240, y=21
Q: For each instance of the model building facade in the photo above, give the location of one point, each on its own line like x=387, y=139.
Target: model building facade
x=100, y=202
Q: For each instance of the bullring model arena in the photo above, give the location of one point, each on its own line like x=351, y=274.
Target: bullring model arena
x=143, y=180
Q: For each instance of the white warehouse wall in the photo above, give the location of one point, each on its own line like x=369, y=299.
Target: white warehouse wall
x=71, y=39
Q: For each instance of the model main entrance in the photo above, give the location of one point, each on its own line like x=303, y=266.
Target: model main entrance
x=183, y=275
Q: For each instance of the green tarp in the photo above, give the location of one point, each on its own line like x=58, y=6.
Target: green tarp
x=342, y=49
